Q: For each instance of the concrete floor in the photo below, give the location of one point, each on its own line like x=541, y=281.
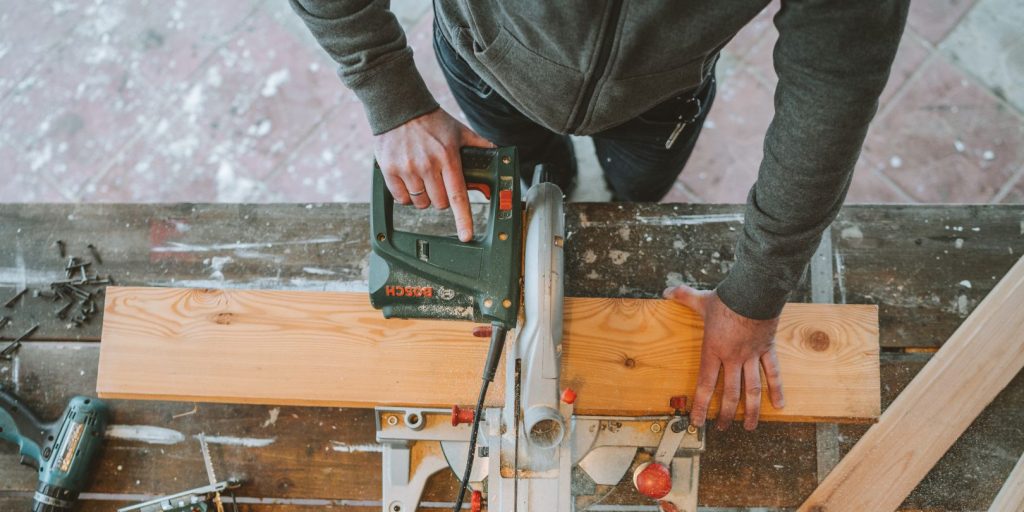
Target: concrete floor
x=202, y=100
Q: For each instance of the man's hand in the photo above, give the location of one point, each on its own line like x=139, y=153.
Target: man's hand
x=740, y=347
x=421, y=164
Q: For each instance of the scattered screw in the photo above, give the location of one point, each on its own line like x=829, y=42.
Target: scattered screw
x=61, y=248
x=95, y=254
x=62, y=312
x=79, y=292
x=10, y=302
x=4, y=321
x=9, y=350
x=28, y=332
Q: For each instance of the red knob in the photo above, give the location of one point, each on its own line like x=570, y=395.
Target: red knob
x=653, y=480
x=667, y=506
x=569, y=396
x=460, y=416
x=678, y=403
x=483, y=331
x=476, y=503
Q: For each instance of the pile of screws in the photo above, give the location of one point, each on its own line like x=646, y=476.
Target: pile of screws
x=78, y=292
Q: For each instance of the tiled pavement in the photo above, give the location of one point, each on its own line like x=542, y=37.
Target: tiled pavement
x=200, y=100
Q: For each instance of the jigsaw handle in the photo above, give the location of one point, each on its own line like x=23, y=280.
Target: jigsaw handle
x=450, y=279
x=478, y=172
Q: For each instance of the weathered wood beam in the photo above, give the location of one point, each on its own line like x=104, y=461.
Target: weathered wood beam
x=622, y=356
x=964, y=376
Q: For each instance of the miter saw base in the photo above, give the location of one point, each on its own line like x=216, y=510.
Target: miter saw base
x=596, y=454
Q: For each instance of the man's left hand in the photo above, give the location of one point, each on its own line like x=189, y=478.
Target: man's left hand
x=738, y=347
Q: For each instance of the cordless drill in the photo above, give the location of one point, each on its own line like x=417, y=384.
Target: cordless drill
x=61, y=451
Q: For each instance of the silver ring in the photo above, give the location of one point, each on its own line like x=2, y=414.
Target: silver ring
x=414, y=194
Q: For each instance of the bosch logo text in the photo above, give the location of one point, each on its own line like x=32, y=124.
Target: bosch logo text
x=409, y=291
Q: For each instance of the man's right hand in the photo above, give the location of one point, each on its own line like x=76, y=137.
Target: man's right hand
x=421, y=164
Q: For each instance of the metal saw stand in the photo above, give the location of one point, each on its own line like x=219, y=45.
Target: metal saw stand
x=529, y=451
x=603, y=447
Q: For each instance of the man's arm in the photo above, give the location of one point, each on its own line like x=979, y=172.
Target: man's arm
x=832, y=60
x=416, y=143
x=374, y=60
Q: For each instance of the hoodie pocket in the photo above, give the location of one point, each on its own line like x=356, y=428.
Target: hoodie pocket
x=456, y=68
x=539, y=87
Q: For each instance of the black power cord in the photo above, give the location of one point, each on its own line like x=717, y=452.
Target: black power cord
x=490, y=369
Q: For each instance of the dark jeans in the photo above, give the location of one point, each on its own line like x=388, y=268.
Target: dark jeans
x=641, y=158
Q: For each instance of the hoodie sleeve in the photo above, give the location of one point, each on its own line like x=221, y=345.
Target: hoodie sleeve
x=374, y=60
x=833, y=60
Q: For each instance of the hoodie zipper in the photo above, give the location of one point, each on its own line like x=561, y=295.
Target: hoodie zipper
x=602, y=62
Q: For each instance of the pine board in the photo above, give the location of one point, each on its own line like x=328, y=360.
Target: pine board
x=1011, y=496
x=622, y=356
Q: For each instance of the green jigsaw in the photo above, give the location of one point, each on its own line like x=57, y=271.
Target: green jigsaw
x=440, y=277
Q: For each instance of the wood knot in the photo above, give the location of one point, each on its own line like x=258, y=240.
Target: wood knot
x=284, y=484
x=819, y=341
x=224, y=318
x=629, y=362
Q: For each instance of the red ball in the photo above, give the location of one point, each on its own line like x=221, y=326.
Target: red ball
x=653, y=480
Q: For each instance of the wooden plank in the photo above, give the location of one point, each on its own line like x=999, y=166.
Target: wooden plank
x=1011, y=496
x=972, y=367
x=622, y=356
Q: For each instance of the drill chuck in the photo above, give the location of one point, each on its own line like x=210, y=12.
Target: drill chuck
x=53, y=498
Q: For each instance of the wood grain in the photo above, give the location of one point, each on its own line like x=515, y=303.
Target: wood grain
x=964, y=376
x=1011, y=496
x=623, y=356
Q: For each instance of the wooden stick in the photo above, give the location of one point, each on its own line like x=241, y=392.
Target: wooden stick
x=964, y=376
x=332, y=349
x=1011, y=496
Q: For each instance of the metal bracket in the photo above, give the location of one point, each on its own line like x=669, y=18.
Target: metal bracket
x=416, y=444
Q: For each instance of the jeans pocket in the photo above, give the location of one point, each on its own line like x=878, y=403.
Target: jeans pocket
x=456, y=68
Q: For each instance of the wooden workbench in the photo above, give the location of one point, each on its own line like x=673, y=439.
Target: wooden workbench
x=926, y=267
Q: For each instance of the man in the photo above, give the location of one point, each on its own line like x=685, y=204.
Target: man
x=638, y=77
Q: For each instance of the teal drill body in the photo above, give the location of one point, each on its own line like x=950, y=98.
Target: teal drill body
x=440, y=277
x=61, y=451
